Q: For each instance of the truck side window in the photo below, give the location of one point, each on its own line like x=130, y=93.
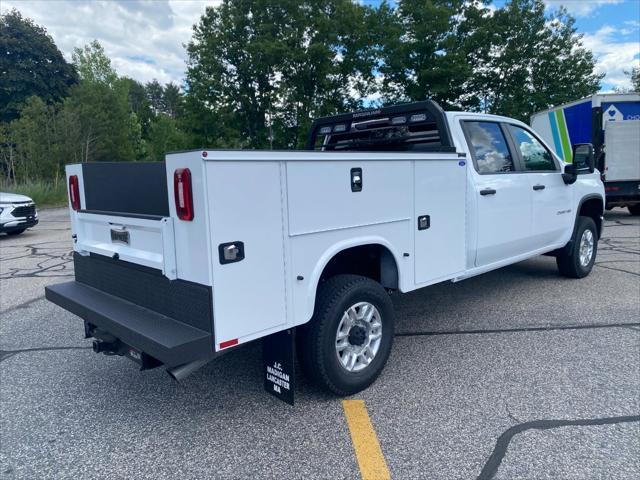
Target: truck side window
x=490, y=149
x=534, y=155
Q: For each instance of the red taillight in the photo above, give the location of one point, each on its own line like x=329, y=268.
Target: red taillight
x=74, y=192
x=182, y=192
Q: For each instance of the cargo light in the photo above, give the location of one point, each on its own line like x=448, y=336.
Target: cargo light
x=74, y=192
x=183, y=194
x=418, y=117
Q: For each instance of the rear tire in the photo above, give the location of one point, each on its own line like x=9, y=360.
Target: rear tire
x=339, y=349
x=634, y=209
x=585, y=248
x=16, y=232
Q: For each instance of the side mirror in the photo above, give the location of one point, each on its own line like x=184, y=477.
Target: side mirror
x=569, y=176
x=583, y=158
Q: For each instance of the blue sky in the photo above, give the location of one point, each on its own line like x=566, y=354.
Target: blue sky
x=145, y=38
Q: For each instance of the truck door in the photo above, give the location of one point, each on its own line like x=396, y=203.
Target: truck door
x=503, y=195
x=552, y=199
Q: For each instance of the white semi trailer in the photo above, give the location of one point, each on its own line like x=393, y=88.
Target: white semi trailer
x=611, y=122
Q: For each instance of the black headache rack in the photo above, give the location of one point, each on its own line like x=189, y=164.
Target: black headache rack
x=411, y=127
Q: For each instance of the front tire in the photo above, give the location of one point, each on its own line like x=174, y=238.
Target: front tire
x=583, y=255
x=345, y=346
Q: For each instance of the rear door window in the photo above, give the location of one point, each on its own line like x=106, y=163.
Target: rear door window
x=535, y=156
x=489, y=147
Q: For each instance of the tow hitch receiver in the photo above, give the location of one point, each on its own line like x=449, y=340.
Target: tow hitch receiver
x=109, y=345
x=279, y=365
x=146, y=362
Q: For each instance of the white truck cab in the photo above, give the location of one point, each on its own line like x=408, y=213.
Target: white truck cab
x=179, y=261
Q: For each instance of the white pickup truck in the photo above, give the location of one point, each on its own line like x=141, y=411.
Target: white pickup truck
x=180, y=261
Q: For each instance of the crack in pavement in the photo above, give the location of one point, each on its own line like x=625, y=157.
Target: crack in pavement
x=516, y=330
x=618, y=269
x=26, y=304
x=502, y=444
x=5, y=354
x=51, y=261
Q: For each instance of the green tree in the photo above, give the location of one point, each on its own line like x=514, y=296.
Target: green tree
x=100, y=102
x=94, y=66
x=171, y=100
x=259, y=71
x=36, y=139
x=139, y=104
x=427, y=49
x=31, y=64
x=154, y=95
x=533, y=62
x=634, y=75
x=165, y=136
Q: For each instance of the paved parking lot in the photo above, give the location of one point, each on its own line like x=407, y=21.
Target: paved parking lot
x=518, y=373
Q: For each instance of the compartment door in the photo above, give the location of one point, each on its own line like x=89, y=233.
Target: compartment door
x=245, y=211
x=144, y=241
x=440, y=196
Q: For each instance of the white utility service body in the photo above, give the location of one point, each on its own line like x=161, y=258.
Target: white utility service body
x=288, y=214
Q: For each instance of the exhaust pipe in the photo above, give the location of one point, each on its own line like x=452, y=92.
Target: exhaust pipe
x=181, y=372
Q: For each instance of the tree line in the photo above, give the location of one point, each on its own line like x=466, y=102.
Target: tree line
x=259, y=71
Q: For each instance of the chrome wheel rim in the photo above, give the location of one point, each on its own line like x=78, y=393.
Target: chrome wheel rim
x=358, y=337
x=586, y=247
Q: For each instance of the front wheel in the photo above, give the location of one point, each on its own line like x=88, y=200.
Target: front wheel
x=583, y=255
x=346, y=344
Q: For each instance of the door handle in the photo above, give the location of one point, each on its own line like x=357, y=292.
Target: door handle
x=488, y=191
x=538, y=187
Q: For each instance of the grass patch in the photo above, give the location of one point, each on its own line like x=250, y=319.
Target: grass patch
x=44, y=193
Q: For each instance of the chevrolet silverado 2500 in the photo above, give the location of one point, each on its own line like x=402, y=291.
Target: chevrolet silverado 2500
x=180, y=261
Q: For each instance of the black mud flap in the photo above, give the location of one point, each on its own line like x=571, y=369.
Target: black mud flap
x=278, y=352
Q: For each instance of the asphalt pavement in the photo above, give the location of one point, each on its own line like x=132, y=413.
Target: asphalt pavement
x=515, y=374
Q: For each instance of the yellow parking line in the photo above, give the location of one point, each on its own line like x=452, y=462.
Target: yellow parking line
x=365, y=441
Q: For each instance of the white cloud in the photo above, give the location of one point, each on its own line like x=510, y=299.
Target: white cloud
x=615, y=56
x=143, y=38
x=580, y=8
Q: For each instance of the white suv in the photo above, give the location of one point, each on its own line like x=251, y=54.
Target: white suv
x=17, y=213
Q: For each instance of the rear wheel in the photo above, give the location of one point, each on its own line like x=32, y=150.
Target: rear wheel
x=585, y=248
x=347, y=343
x=634, y=209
